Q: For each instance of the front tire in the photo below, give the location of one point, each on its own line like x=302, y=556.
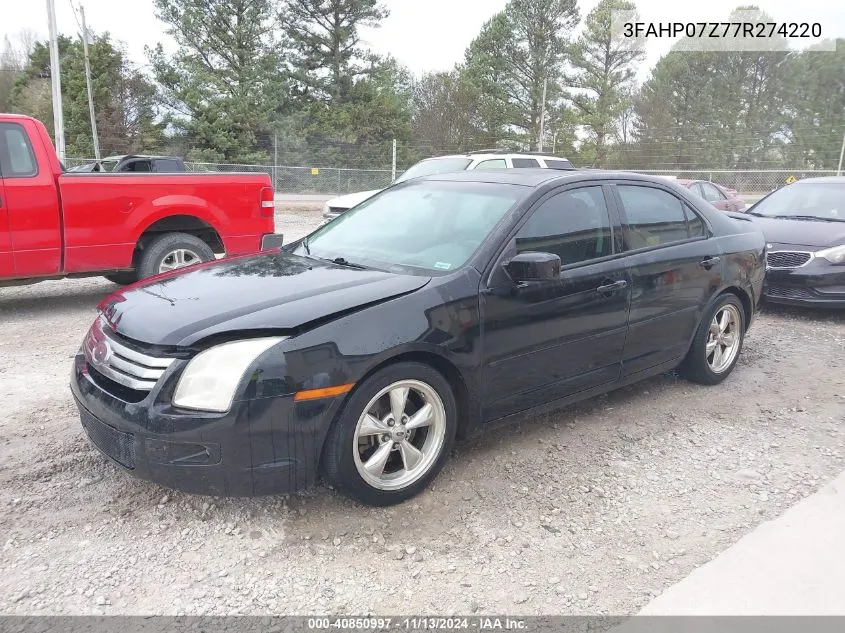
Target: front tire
x=172, y=251
x=717, y=343
x=393, y=436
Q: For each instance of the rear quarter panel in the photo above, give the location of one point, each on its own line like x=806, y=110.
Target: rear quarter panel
x=744, y=252
x=106, y=214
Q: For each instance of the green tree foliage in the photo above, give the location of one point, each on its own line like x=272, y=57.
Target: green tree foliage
x=125, y=102
x=605, y=66
x=354, y=102
x=325, y=42
x=226, y=82
x=739, y=110
x=815, y=115
x=447, y=114
x=517, y=51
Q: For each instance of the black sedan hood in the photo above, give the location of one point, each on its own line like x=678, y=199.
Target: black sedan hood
x=263, y=292
x=810, y=233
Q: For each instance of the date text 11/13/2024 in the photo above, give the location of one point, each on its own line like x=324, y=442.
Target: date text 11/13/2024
x=420, y=623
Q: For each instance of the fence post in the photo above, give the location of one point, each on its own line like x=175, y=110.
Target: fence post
x=393, y=168
x=338, y=183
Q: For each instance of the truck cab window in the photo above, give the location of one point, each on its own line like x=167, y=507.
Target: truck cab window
x=16, y=157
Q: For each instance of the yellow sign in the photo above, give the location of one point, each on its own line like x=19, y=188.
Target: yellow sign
x=791, y=179
x=315, y=171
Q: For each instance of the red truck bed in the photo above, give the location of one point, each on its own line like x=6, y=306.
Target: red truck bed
x=55, y=224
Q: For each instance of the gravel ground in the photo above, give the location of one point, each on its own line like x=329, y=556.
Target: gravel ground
x=590, y=510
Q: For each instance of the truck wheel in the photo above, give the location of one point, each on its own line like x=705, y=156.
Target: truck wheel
x=171, y=251
x=124, y=278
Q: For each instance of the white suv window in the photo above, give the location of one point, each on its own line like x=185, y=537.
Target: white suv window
x=493, y=163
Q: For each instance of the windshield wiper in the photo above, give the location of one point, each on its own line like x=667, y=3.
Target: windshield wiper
x=305, y=246
x=342, y=261
x=811, y=218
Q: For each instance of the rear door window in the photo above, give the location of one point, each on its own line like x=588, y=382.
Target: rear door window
x=558, y=164
x=17, y=160
x=524, y=163
x=654, y=217
x=711, y=193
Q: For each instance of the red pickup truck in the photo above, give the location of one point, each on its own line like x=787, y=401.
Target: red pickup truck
x=124, y=226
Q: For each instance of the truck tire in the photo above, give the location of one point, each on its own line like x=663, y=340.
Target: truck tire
x=170, y=252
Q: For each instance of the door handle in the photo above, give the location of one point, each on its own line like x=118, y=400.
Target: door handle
x=609, y=289
x=708, y=262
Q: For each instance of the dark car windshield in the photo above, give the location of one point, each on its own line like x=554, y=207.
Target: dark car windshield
x=428, y=225
x=823, y=201
x=434, y=166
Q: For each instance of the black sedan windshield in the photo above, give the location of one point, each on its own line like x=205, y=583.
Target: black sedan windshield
x=822, y=201
x=429, y=225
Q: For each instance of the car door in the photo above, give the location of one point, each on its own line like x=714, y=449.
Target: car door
x=31, y=206
x=7, y=266
x=675, y=267
x=546, y=340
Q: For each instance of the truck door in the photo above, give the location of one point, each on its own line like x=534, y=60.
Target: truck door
x=30, y=204
x=7, y=267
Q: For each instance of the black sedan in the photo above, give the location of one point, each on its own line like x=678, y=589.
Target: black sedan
x=428, y=312
x=804, y=224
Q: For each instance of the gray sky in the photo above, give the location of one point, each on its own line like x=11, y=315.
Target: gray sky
x=425, y=35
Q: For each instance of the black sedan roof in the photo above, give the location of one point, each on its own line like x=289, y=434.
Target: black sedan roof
x=536, y=177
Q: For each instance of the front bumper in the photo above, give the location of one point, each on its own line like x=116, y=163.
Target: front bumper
x=818, y=283
x=262, y=446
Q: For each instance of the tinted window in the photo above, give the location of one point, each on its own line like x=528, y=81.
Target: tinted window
x=524, y=163
x=654, y=217
x=558, y=164
x=574, y=225
x=168, y=165
x=696, y=189
x=16, y=157
x=695, y=223
x=711, y=193
x=497, y=163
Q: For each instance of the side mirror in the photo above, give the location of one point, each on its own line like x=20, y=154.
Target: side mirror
x=531, y=266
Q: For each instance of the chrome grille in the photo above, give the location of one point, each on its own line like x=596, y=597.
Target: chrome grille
x=787, y=259
x=119, y=363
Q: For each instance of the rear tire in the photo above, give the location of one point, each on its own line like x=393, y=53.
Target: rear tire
x=172, y=251
x=414, y=449
x=717, y=343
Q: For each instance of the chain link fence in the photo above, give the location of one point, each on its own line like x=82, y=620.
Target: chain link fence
x=748, y=181
x=288, y=179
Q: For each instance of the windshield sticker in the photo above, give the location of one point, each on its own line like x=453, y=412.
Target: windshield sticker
x=443, y=265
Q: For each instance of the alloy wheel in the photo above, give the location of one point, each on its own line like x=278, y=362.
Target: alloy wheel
x=400, y=435
x=179, y=258
x=723, y=338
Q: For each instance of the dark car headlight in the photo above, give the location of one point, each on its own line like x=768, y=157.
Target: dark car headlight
x=835, y=255
x=212, y=376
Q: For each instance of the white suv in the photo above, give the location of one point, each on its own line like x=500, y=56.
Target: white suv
x=486, y=159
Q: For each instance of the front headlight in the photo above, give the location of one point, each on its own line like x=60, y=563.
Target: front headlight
x=211, y=378
x=835, y=255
